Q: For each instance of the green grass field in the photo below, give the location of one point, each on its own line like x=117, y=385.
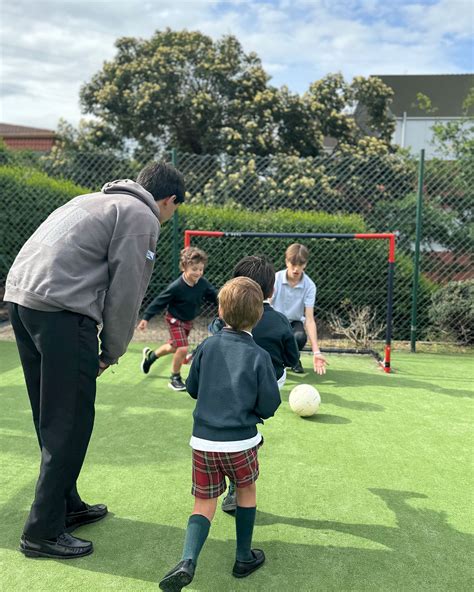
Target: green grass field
x=372, y=494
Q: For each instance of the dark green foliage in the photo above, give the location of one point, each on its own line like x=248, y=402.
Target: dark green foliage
x=452, y=312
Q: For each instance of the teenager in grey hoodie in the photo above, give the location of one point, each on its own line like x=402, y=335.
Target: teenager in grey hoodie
x=87, y=265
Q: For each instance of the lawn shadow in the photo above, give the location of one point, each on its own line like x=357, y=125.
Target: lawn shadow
x=421, y=552
x=332, y=398
x=327, y=418
x=350, y=378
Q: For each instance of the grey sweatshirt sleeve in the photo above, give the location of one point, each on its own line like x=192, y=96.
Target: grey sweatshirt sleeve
x=131, y=258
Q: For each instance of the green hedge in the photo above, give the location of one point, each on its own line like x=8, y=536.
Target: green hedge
x=346, y=269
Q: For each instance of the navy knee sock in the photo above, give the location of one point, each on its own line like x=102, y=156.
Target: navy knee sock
x=196, y=535
x=244, y=521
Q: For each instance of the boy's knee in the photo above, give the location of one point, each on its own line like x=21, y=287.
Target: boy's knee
x=301, y=339
x=246, y=495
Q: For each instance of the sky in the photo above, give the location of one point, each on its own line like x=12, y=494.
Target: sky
x=50, y=48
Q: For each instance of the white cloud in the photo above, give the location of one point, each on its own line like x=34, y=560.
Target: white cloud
x=51, y=47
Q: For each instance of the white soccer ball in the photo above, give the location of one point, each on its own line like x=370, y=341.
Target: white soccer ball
x=304, y=400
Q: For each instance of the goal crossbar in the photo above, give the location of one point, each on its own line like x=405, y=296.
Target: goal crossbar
x=388, y=236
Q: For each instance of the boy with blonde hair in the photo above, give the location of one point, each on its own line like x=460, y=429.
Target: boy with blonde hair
x=234, y=383
x=182, y=300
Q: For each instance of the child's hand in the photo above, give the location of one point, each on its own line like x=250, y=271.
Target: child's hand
x=142, y=325
x=319, y=364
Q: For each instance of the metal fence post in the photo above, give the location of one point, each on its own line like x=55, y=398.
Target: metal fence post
x=416, y=262
x=174, y=161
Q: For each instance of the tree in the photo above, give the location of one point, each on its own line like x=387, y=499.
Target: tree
x=182, y=89
x=351, y=113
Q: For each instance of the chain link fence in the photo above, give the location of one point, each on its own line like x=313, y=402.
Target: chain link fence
x=335, y=193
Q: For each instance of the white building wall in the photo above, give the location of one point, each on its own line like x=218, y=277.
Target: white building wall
x=415, y=133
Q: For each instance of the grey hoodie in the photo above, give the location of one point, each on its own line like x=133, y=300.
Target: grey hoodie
x=94, y=256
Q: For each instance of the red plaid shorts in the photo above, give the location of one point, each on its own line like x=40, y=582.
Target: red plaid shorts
x=211, y=468
x=179, y=331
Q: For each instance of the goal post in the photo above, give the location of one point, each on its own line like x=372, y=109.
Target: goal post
x=389, y=237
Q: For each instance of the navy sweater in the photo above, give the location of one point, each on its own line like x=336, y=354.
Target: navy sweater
x=182, y=300
x=234, y=383
x=274, y=334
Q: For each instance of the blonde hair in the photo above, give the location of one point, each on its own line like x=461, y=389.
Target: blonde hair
x=241, y=303
x=191, y=256
x=297, y=254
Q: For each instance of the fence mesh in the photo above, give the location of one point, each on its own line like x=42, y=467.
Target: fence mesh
x=379, y=191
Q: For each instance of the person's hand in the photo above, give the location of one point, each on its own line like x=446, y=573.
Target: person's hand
x=102, y=367
x=142, y=325
x=319, y=363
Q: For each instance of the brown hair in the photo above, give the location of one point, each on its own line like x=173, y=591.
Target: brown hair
x=241, y=303
x=297, y=254
x=191, y=256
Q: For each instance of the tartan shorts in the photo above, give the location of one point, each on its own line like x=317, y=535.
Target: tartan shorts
x=211, y=468
x=179, y=331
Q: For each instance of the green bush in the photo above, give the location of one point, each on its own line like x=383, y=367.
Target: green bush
x=452, y=312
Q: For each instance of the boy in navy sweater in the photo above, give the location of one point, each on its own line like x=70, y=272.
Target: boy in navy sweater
x=273, y=333
x=182, y=299
x=234, y=383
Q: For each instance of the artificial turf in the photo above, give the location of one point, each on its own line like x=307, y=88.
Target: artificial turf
x=372, y=494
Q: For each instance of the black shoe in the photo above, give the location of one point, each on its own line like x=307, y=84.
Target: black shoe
x=243, y=569
x=229, y=503
x=179, y=577
x=64, y=547
x=87, y=516
x=298, y=369
x=146, y=363
x=176, y=383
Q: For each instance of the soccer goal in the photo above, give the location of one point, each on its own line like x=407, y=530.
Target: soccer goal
x=371, y=270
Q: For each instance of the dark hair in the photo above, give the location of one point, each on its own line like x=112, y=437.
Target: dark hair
x=241, y=303
x=260, y=269
x=162, y=180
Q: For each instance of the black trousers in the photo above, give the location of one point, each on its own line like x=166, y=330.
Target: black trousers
x=59, y=355
x=299, y=333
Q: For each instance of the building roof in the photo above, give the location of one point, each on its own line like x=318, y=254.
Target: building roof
x=8, y=130
x=447, y=93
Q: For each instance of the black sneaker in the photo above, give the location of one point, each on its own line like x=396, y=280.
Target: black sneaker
x=298, y=368
x=146, y=363
x=176, y=383
x=179, y=577
x=229, y=503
